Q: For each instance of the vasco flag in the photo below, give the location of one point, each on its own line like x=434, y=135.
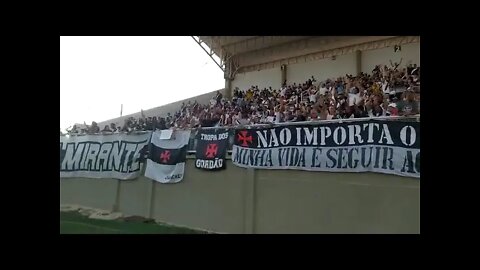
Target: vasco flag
x=391, y=147
x=166, y=159
x=211, y=149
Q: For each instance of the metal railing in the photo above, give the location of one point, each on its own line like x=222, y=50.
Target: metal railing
x=192, y=144
x=316, y=122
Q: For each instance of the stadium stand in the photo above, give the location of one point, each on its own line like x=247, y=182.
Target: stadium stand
x=387, y=91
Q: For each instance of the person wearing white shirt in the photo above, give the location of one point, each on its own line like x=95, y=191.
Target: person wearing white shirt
x=353, y=96
x=313, y=95
x=323, y=90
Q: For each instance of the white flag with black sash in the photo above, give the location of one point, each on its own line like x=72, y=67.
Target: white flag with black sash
x=166, y=161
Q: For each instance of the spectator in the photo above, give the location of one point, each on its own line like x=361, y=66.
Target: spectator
x=415, y=70
x=408, y=106
x=353, y=96
x=360, y=110
x=396, y=65
x=289, y=116
x=331, y=113
x=377, y=111
x=73, y=130
x=339, y=87
x=106, y=129
x=299, y=116
x=348, y=112
x=126, y=126
x=392, y=110
x=162, y=124
x=218, y=97
x=93, y=129
x=313, y=115
x=345, y=97
x=323, y=89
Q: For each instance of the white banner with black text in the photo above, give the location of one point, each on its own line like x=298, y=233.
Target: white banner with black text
x=115, y=156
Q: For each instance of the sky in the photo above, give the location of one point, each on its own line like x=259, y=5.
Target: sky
x=98, y=74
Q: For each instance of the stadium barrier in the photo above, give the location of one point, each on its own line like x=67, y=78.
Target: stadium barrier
x=238, y=200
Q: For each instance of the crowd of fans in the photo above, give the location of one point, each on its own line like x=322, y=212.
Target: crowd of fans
x=387, y=91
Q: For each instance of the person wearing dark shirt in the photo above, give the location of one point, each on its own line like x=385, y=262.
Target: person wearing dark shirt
x=377, y=111
x=299, y=117
x=149, y=124
x=106, y=129
x=360, y=110
x=409, y=106
x=161, y=124
x=349, y=112
x=409, y=69
x=415, y=70
x=218, y=97
x=74, y=130
x=94, y=128
x=209, y=122
x=138, y=124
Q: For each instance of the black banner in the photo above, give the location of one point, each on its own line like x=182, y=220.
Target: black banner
x=211, y=149
x=375, y=145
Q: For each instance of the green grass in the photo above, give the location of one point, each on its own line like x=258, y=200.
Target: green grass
x=75, y=223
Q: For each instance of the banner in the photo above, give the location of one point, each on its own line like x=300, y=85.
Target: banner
x=211, y=149
x=166, y=161
x=391, y=147
x=103, y=156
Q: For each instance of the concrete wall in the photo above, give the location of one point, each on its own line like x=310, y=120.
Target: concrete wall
x=263, y=78
x=410, y=54
x=322, y=70
x=97, y=193
x=239, y=200
x=212, y=201
x=313, y=202
x=164, y=109
x=328, y=68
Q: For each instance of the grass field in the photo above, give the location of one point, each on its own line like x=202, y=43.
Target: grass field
x=75, y=223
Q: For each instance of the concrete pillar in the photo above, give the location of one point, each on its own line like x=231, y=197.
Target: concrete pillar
x=284, y=73
x=358, y=61
x=228, y=89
